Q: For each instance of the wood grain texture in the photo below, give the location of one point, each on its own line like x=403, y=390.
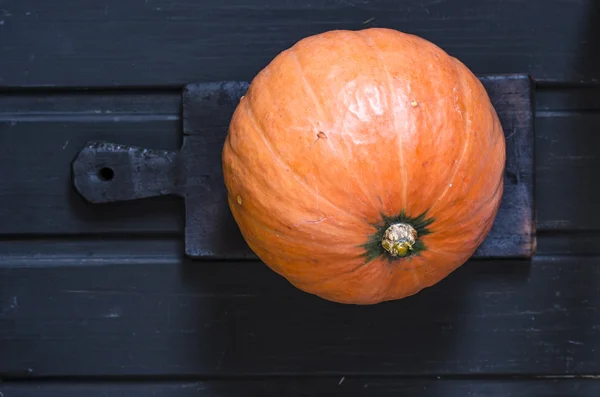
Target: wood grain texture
x=104, y=172
x=559, y=242
x=38, y=199
x=566, y=166
x=515, y=226
x=297, y=387
x=123, y=308
x=559, y=98
x=40, y=135
x=83, y=43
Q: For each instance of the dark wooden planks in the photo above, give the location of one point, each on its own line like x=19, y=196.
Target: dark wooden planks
x=64, y=310
x=578, y=243
x=136, y=308
x=40, y=136
x=174, y=42
x=566, y=170
x=86, y=251
x=578, y=98
x=296, y=387
x=98, y=105
x=567, y=122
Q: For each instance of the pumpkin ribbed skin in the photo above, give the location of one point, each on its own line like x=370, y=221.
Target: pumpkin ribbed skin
x=347, y=132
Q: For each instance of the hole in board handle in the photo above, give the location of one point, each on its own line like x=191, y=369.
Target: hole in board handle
x=106, y=173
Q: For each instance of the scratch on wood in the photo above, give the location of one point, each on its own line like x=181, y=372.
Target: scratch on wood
x=12, y=306
x=514, y=131
x=220, y=362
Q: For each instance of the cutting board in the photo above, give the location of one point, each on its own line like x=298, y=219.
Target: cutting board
x=107, y=172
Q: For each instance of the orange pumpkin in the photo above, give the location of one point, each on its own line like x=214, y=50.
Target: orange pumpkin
x=364, y=166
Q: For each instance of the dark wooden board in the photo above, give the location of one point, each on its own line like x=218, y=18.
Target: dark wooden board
x=123, y=308
x=317, y=387
x=62, y=123
x=40, y=134
x=174, y=42
x=560, y=98
x=195, y=172
x=84, y=251
x=567, y=166
x=579, y=243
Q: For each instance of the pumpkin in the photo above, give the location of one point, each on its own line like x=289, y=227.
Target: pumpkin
x=364, y=166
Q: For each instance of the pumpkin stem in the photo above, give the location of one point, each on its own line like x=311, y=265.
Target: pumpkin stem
x=398, y=239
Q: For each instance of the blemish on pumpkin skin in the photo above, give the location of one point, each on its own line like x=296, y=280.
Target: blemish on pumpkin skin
x=318, y=220
x=320, y=135
x=313, y=222
x=414, y=104
x=239, y=200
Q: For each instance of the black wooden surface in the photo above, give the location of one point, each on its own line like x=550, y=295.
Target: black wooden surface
x=322, y=387
x=100, y=300
x=141, y=310
x=174, y=42
x=59, y=125
x=105, y=172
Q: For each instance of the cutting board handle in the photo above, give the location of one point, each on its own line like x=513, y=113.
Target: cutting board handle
x=106, y=172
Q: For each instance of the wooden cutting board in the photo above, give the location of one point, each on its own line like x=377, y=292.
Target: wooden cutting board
x=105, y=172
